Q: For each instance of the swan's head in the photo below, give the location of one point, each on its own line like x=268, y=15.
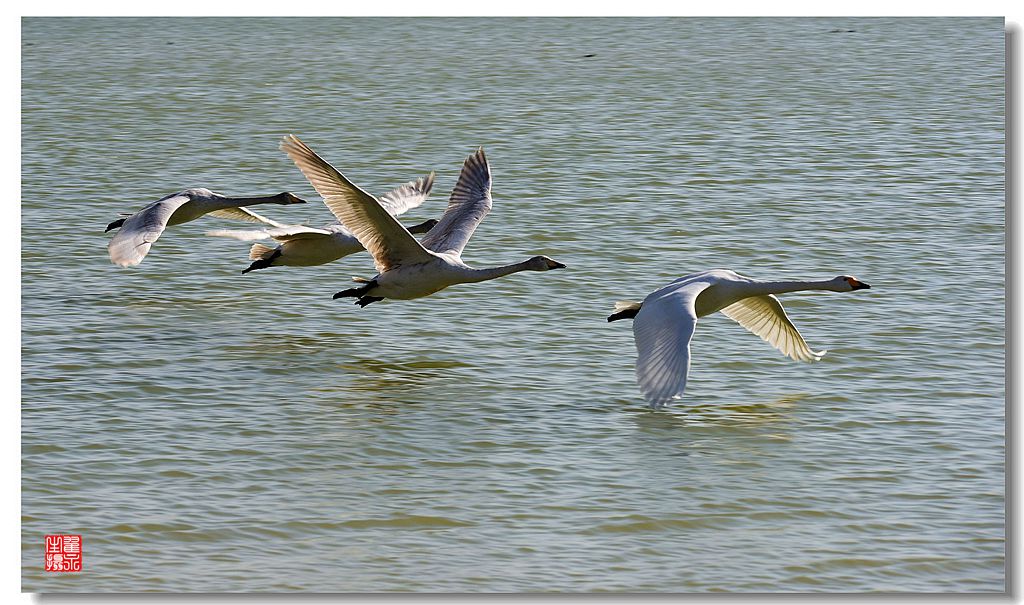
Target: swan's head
x=543, y=263
x=847, y=283
x=286, y=198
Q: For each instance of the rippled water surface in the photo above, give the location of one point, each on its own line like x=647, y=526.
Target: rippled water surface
x=205, y=430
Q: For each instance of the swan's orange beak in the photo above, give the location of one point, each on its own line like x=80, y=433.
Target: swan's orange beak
x=858, y=285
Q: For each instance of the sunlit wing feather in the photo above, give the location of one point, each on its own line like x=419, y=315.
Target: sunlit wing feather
x=468, y=205
x=293, y=232
x=408, y=196
x=242, y=213
x=380, y=233
x=133, y=240
x=765, y=317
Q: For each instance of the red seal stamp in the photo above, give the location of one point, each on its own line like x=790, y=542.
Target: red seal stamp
x=64, y=553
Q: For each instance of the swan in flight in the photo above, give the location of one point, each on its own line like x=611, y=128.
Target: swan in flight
x=137, y=232
x=302, y=246
x=408, y=268
x=664, y=322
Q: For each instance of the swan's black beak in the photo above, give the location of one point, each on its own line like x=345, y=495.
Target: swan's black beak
x=557, y=265
x=859, y=285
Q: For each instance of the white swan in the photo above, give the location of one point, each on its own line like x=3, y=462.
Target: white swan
x=408, y=268
x=302, y=246
x=138, y=231
x=664, y=322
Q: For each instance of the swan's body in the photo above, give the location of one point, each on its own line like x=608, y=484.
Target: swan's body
x=664, y=322
x=302, y=246
x=408, y=268
x=138, y=231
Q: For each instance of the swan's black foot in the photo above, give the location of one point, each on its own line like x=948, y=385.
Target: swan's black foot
x=349, y=292
x=365, y=300
x=357, y=292
x=263, y=263
x=257, y=264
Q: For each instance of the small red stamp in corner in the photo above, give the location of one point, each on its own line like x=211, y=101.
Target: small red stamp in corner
x=64, y=553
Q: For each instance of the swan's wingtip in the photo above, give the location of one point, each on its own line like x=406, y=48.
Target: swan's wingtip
x=659, y=404
x=817, y=355
x=426, y=183
x=289, y=140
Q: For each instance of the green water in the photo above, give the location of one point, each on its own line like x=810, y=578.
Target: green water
x=205, y=430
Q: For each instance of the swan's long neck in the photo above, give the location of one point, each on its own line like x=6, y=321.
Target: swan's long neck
x=475, y=275
x=760, y=288
x=235, y=202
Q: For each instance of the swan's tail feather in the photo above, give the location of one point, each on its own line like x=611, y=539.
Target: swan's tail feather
x=361, y=280
x=625, y=309
x=259, y=251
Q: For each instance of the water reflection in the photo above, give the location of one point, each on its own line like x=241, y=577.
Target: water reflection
x=746, y=414
x=752, y=413
x=375, y=378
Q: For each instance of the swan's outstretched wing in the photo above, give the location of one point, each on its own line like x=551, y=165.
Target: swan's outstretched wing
x=387, y=240
x=407, y=196
x=282, y=233
x=294, y=232
x=765, y=317
x=662, y=331
x=242, y=213
x=469, y=204
x=133, y=240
